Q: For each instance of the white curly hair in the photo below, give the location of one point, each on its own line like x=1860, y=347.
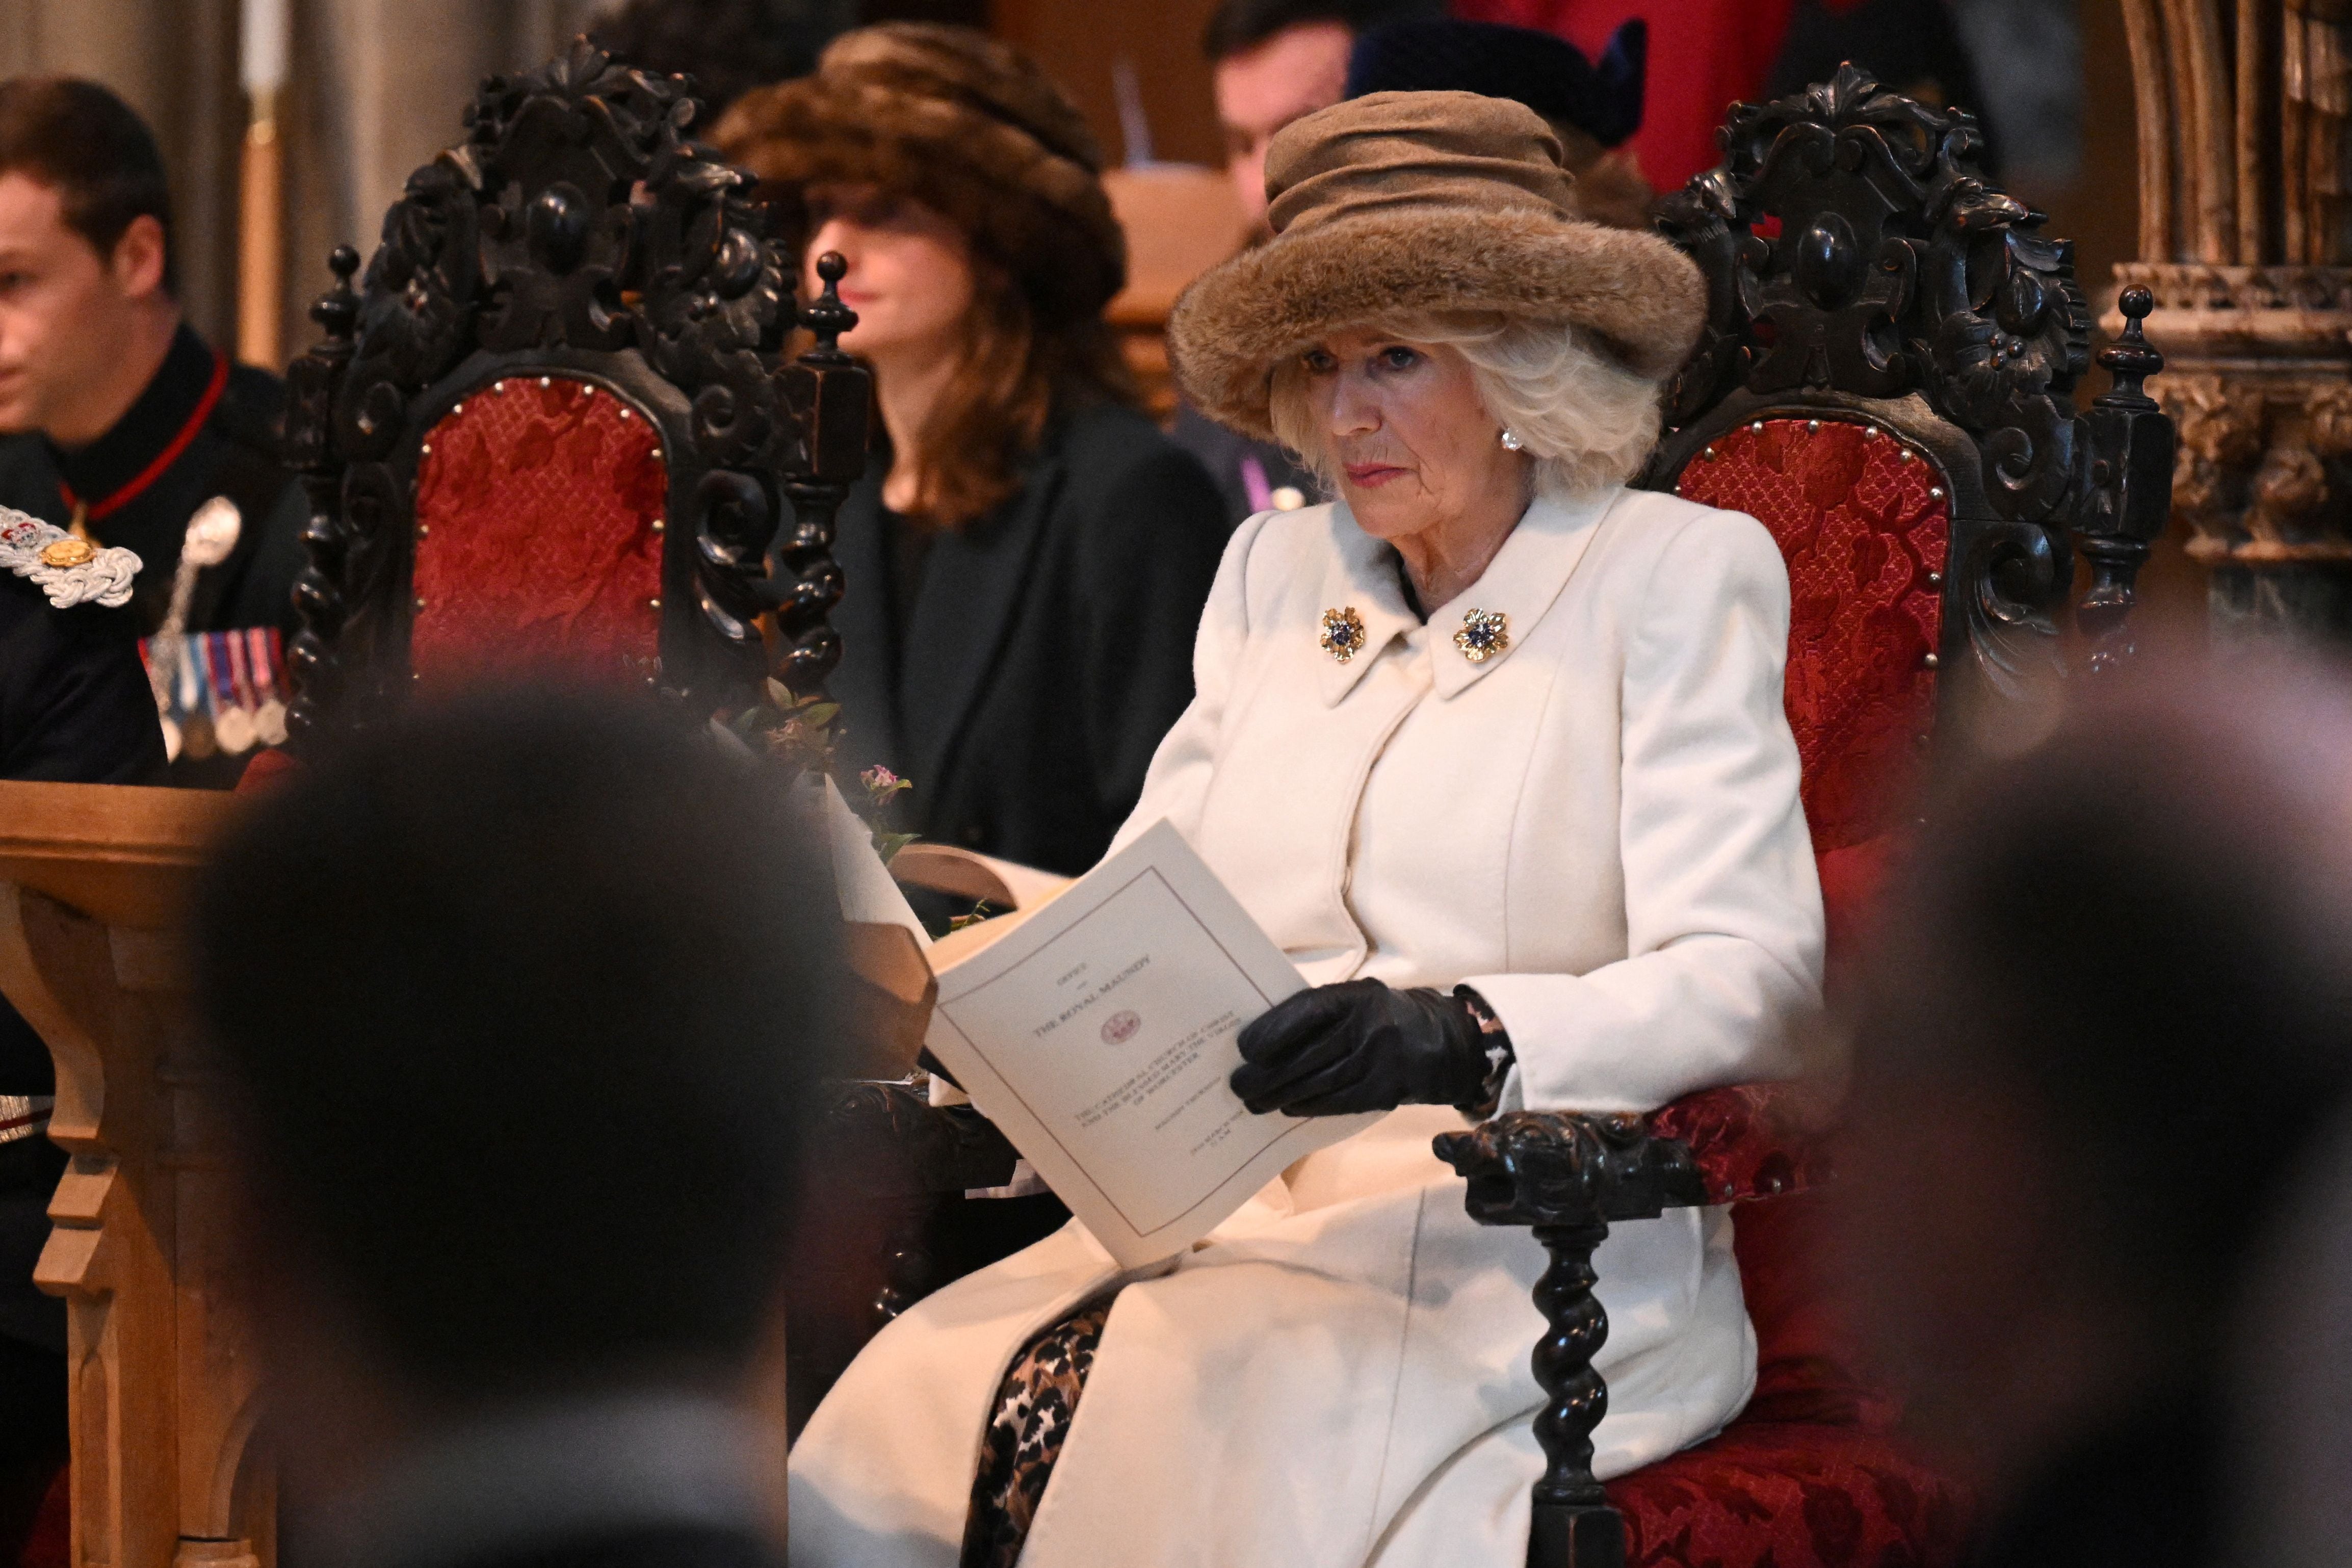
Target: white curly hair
x=1586, y=422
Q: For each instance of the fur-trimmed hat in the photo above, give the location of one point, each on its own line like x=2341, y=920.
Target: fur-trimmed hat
x=965, y=125
x=1418, y=202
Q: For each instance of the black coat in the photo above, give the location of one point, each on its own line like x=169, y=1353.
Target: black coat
x=1048, y=647
x=75, y=708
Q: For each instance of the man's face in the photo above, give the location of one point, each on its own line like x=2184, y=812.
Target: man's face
x=1296, y=72
x=67, y=313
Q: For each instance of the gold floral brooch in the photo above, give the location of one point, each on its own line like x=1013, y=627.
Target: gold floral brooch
x=1484, y=634
x=1343, y=634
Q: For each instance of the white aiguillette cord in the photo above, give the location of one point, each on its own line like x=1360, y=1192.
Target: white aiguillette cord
x=212, y=535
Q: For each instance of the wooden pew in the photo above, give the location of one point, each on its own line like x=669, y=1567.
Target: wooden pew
x=92, y=878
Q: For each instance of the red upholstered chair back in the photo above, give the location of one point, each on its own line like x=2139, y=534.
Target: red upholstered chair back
x=553, y=432
x=541, y=505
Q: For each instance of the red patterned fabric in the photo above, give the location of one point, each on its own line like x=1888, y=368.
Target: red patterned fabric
x=1750, y=1141
x=1857, y=514
x=538, y=508
x=1772, y=1494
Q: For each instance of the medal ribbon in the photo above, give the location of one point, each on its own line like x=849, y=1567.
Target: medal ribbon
x=163, y=459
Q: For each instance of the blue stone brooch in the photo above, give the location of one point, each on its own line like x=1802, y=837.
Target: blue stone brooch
x=1343, y=634
x=1484, y=634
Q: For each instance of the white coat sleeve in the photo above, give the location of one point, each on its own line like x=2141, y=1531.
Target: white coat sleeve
x=1177, y=784
x=1723, y=907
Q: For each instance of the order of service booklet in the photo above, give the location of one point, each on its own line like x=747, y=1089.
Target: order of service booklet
x=1097, y=1030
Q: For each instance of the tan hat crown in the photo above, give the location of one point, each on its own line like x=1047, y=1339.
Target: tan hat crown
x=1390, y=152
x=1404, y=205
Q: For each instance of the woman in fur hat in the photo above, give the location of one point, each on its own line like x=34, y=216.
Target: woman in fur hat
x=1028, y=560
x=1494, y=747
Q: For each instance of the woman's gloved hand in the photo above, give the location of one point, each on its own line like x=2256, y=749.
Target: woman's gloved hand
x=1360, y=1045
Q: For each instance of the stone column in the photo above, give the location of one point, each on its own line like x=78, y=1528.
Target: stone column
x=2245, y=197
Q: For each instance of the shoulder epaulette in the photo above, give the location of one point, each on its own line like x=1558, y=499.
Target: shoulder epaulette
x=69, y=570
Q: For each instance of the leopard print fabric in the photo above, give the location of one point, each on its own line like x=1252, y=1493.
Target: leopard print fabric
x=1035, y=1405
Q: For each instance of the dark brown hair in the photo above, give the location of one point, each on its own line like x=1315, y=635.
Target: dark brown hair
x=1015, y=375
x=92, y=148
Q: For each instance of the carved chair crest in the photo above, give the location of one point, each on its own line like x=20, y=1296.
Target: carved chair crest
x=1860, y=269
x=580, y=252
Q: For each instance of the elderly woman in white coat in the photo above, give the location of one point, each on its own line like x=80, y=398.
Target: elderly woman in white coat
x=1494, y=748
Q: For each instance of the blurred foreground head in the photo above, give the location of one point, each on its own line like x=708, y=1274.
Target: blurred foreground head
x=2111, y=1007
x=523, y=996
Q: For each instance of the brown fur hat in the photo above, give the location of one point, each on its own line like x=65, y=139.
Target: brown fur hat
x=1405, y=203
x=964, y=124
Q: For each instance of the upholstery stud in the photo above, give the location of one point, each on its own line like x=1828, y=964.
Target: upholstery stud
x=1812, y=426
x=660, y=527
x=1932, y=662
x=1935, y=494
x=653, y=605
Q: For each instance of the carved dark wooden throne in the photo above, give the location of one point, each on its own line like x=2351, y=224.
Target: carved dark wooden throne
x=1886, y=381
x=553, y=432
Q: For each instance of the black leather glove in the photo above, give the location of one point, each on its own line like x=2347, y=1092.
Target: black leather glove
x=1361, y=1045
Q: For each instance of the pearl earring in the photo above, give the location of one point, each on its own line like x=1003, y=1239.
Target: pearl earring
x=1511, y=442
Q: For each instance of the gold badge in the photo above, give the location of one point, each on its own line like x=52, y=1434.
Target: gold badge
x=1484, y=634
x=1343, y=634
x=69, y=552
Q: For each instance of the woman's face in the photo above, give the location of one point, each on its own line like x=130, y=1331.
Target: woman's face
x=1413, y=447
x=911, y=274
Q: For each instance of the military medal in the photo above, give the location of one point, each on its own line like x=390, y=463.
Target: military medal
x=195, y=724
x=1343, y=633
x=261, y=650
x=1484, y=634
x=233, y=725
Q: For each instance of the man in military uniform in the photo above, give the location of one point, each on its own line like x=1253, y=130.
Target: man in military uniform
x=117, y=421
x=75, y=708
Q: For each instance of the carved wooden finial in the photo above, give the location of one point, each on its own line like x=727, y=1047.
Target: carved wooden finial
x=828, y=318
x=2131, y=359
x=338, y=309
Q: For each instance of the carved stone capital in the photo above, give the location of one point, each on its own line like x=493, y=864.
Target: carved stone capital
x=2261, y=391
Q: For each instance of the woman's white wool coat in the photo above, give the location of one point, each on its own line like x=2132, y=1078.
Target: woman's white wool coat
x=1599, y=829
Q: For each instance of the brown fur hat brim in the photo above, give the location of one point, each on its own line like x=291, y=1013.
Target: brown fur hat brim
x=1634, y=298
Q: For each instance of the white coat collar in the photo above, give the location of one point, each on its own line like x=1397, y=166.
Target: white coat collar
x=1526, y=575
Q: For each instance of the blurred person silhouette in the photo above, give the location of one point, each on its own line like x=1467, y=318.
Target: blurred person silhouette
x=2105, y=1017
x=519, y=1000
x=2290, y=1380
x=1027, y=557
